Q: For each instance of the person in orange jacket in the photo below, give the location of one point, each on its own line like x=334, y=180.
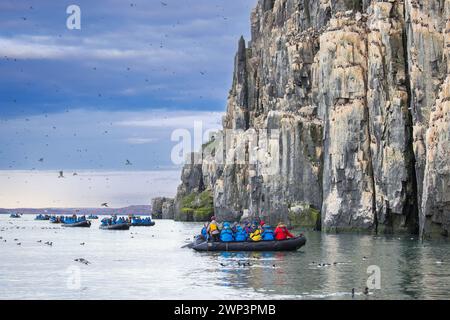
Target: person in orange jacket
x=282, y=233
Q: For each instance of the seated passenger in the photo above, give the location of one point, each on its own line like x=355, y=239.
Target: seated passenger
x=282, y=233
x=256, y=235
x=226, y=235
x=204, y=232
x=213, y=229
x=248, y=227
x=241, y=234
x=267, y=234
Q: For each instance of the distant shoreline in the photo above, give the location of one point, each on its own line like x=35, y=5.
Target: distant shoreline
x=135, y=209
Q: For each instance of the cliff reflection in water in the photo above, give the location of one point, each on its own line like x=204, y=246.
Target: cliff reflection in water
x=329, y=266
x=150, y=264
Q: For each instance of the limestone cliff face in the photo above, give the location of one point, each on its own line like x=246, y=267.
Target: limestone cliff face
x=341, y=107
x=427, y=37
x=159, y=208
x=436, y=187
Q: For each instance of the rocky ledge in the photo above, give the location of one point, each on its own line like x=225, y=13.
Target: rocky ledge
x=338, y=119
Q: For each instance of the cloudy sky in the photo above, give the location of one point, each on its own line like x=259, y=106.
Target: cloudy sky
x=90, y=100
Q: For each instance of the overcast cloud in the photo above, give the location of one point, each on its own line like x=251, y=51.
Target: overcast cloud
x=107, y=98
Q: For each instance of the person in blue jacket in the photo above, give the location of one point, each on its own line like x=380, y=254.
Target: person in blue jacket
x=267, y=234
x=204, y=233
x=226, y=235
x=241, y=234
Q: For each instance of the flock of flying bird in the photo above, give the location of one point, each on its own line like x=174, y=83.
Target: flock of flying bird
x=127, y=162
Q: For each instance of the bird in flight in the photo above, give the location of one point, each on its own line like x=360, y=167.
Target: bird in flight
x=41, y=160
x=105, y=205
x=128, y=163
x=164, y=4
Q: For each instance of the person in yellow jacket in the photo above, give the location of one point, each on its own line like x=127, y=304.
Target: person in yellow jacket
x=213, y=229
x=256, y=235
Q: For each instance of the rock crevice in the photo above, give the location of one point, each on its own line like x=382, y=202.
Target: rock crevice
x=339, y=108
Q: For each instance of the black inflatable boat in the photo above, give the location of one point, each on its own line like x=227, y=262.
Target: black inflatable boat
x=121, y=226
x=284, y=245
x=81, y=224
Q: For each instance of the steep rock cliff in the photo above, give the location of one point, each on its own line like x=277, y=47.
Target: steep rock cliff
x=340, y=107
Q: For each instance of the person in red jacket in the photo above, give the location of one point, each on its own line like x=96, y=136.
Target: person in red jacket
x=282, y=233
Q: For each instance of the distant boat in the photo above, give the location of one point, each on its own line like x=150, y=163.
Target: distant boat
x=54, y=219
x=42, y=217
x=78, y=224
x=15, y=215
x=117, y=226
x=138, y=222
x=115, y=223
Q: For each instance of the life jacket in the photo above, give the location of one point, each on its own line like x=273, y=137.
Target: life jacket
x=281, y=233
x=213, y=228
x=240, y=235
x=256, y=236
x=268, y=235
x=204, y=233
x=226, y=235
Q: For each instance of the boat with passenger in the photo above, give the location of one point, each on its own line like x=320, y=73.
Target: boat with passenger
x=277, y=245
x=56, y=219
x=42, y=217
x=256, y=236
x=115, y=223
x=139, y=222
x=76, y=222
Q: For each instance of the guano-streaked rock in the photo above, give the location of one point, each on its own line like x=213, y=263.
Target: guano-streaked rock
x=339, y=107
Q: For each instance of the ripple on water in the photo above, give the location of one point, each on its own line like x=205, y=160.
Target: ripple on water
x=152, y=265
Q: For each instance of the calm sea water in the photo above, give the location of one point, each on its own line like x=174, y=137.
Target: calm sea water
x=149, y=263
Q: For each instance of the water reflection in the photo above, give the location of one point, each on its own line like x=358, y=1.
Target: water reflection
x=150, y=264
x=329, y=266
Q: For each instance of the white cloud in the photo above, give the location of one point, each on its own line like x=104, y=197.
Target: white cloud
x=43, y=47
x=98, y=139
x=209, y=120
x=140, y=140
x=84, y=118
